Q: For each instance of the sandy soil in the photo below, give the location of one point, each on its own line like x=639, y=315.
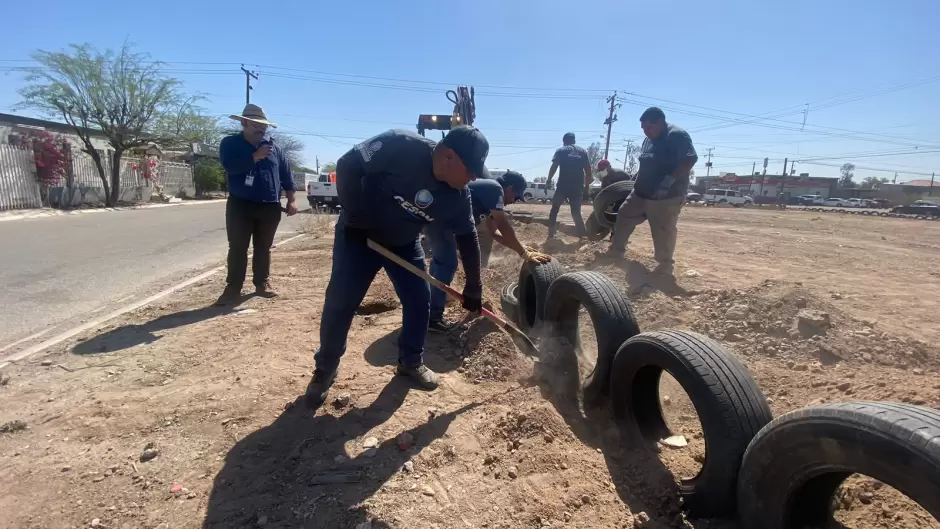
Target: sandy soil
x=181, y=415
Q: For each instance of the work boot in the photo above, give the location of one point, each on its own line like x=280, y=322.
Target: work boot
x=265, y=290
x=421, y=374
x=318, y=387
x=441, y=325
x=230, y=296
x=665, y=270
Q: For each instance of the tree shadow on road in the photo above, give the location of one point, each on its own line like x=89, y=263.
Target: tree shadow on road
x=290, y=472
x=127, y=336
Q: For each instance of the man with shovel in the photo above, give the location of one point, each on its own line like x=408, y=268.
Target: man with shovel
x=487, y=198
x=390, y=187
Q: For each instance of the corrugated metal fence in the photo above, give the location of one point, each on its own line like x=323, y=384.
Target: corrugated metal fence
x=18, y=186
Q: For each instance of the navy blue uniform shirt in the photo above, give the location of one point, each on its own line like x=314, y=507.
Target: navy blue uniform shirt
x=260, y=181
x=571, y=160
x=659, y=158
x=486, y=196
x=386, y=185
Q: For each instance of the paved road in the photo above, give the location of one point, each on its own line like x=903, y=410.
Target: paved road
x=56, y=268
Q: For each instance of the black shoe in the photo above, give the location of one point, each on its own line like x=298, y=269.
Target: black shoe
x=230, y=296
x=425, y=378
x=265, y=290
x=318, y=388
x=441, y=326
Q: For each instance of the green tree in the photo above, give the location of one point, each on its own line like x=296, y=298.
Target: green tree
x=328, y=167
x=209, y=176
x=848, y=172
x=872, y=182
x=123, y=94
x=594, y=155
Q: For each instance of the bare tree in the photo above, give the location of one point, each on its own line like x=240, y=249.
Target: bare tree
x=594, y=154
x=123, y=94
x=292, y=147
x=328, y=167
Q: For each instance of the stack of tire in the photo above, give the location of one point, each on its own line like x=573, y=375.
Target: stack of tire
x=602, y=219
x=778, y=473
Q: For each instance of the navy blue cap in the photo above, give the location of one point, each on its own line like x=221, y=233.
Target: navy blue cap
x=514, y=181
x=471, y=146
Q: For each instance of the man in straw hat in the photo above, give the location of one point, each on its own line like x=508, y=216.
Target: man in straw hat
x=256, y=170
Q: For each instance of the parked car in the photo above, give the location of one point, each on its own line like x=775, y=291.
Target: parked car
x=693, y=197
x=856, y=203
x=726, y=196
x=836, y=202
x=810, y=200
x=321, y=192
x=538, y=192
x=920, y=207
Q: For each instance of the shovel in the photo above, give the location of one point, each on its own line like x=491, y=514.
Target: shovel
x=522, y=341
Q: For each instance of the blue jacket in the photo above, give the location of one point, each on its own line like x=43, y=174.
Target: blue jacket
x=255, y=181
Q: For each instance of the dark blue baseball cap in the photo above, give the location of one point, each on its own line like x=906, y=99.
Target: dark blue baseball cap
x=515, y=181
x=471, y=147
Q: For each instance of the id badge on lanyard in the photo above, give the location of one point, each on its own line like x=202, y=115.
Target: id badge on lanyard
x=249, y=179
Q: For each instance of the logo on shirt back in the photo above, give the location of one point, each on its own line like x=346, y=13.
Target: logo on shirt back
x=368, y=151
x=423, y=198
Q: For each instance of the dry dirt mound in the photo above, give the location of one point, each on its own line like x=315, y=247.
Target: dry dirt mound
x=788, y=321
x=489, y=354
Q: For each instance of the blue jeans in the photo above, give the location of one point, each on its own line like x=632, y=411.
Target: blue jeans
x=443, y=264
x=354, y=268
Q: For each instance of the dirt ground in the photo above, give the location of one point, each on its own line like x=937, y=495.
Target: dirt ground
x=182, y=415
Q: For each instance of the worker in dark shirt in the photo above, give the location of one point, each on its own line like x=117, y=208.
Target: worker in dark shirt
x=256, y=171
x=610, y=175
x=487, y=198
x=573, y=179
x=666, y=160
x=390, y=187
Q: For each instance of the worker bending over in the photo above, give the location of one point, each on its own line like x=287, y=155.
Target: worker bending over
x=487, y=198
x=390, y=187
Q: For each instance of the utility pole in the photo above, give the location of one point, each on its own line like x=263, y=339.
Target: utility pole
x=610, y=120
x=249, y=75
x=318, y=165
x=783, y=179
x=930, y=193
x=753, y=168
x=708, y=164
x=762, y=178
x=895, y=178
x=628, y=155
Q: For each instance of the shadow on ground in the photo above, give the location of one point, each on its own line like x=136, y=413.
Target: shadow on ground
x=643, y=483
x=440, y=352
x=290, y=474
x=127, y=336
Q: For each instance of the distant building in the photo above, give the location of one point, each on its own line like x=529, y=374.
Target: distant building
x=14, y=129
x=769, y=186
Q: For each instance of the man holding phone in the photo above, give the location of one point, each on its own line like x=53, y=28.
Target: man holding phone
x=256, y=171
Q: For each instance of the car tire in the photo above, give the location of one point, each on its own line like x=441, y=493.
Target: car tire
x=793, y=467
x=509, y=301
x=607, y=197
x=534, y=282
x=612, y=317
x=595, y=232
x=731, y=407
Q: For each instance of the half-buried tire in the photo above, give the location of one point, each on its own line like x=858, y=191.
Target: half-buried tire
x=730, y=406
x=616, y=192
x=611, y=314
x=509, y=301
x=595, y=231
x=796, y=463
x=534, y=280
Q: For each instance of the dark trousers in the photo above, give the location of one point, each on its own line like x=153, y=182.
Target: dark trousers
x=354, y=268
x=246, y=220
x=574, y=197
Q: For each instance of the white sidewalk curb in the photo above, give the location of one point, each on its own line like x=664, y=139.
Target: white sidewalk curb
x=49, y=212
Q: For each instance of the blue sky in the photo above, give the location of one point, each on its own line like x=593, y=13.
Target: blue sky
x=869, y=69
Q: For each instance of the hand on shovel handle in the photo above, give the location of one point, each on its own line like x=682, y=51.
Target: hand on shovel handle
x=522, y=341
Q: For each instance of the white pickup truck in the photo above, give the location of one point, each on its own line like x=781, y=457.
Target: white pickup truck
x=321, y=193
x=538, y=193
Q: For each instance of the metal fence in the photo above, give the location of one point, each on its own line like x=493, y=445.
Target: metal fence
x=18, y=186
x=175, y=176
